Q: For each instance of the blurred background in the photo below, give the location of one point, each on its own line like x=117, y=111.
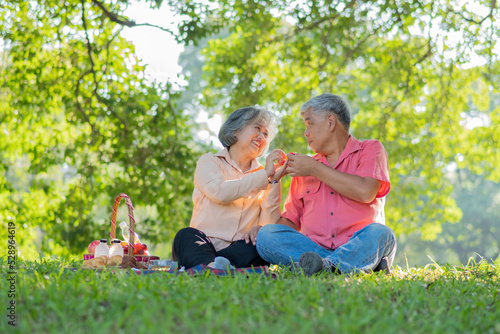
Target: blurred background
x=101, y=97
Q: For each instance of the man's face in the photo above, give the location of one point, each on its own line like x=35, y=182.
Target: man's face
x=316, y=133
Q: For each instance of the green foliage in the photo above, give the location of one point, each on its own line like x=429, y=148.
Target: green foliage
x=434, y=299
x=80, y=124
x=476, y=235
x=405, y=67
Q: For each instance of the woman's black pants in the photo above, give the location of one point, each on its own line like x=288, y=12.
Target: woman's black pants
x=192, y=247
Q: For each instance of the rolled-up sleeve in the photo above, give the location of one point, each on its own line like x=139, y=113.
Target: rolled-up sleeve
x=374, y=164
x=211, y=181
x=271, y=211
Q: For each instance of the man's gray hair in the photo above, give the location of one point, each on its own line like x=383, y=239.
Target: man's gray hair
x=329, y=104
x=240, y=118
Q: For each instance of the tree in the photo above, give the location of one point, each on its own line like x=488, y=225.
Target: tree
x=80, y=124
x=475, y=236
x=406, y=68
x=478, y=233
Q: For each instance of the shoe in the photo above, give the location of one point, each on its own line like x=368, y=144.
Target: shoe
x=222, y=263
x=311, y=263
x=383, y=266
x=294, y=267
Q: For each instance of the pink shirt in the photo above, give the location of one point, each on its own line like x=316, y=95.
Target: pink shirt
x=328, y=218
x=228, y=202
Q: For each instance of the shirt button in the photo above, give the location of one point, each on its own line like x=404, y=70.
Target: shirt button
x=331, y=192
x=333, y=235
x=307, y=191
x=331, y=213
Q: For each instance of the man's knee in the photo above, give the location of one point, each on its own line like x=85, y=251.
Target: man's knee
x=264, y=232
x=382, y=231
x=267, y=233
x=270, y=229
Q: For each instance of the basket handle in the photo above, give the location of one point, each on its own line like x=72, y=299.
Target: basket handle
x=128, y=201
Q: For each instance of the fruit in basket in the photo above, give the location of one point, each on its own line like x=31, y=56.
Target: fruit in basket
x=92, y=246
x=140, y=249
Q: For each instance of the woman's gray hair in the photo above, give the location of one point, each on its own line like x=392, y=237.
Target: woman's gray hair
x=240, y=118
x=329, y=104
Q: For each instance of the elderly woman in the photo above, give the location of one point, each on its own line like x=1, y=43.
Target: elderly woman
x=234, y=195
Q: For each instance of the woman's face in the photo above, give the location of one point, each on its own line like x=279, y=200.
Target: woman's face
x=252, y=139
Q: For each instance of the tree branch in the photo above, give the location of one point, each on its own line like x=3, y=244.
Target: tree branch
x=89, y=45
x=125, y=21
x=493, y=5
x=155, y=26
x=79, y=106
x=309, y=27
x=92, y=70
x=114, y=17
x=356, y=48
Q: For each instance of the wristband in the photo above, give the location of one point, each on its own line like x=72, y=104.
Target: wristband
x=272, y=182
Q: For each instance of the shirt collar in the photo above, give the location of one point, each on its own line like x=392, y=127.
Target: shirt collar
x=224, y=153
x=352, y=146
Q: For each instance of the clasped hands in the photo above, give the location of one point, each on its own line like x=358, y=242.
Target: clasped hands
x=279, y=164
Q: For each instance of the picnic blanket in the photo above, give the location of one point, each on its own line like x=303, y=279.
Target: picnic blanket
x=198, y=270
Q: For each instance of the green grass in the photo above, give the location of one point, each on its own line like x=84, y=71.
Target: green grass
x=435, y=299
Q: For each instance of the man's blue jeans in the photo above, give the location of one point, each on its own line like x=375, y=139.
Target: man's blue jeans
x=280, y=244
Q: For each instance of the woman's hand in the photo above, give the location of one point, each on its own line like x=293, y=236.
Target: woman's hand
x=274, y=161
x=280, y=172
x=251, y=235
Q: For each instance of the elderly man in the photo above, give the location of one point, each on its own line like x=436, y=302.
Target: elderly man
x=333, y=218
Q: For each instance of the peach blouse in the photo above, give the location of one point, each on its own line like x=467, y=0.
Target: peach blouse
x=229, y=202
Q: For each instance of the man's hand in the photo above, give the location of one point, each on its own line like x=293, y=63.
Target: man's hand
x=301, y=165
x=357, y=188
x=251, y=235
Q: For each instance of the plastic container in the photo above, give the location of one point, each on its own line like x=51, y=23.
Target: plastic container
x=126, y=233
x=126, y=236
x=116, y=248
x=163, y=265
x=102, y=248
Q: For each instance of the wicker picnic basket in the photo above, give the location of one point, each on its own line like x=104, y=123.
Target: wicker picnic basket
x=140, y=258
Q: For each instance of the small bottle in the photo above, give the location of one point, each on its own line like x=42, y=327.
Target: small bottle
x=126, y=233
x=137, y=241
x=116, y=248
x=102, y=248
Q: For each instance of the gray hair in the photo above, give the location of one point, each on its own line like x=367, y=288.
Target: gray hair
x=240, y=118
x=326, y=104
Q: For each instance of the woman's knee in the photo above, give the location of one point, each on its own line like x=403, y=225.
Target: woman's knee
x=187, y=231
x=186, y=234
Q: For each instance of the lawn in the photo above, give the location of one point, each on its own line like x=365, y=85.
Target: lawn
x=434, y=299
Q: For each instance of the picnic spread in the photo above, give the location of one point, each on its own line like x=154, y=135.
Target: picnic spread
x=137, y=258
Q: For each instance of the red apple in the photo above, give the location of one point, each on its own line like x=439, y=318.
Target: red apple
x=93, y=245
